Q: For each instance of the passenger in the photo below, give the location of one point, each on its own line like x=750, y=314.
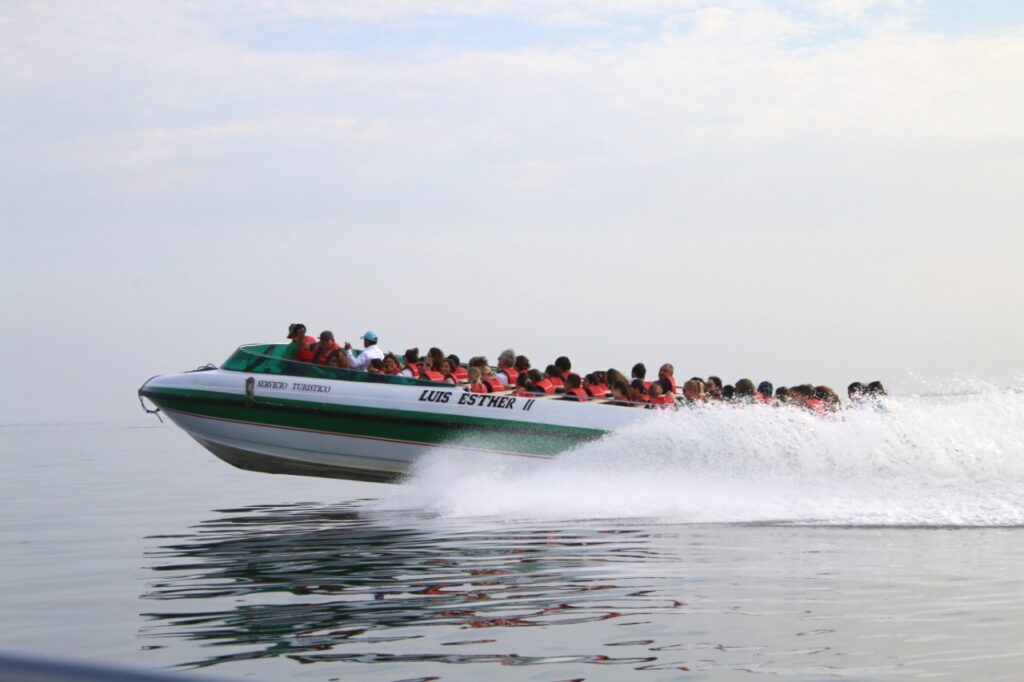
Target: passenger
x=877, y=395
x=782, y=396
x=636, y=391
x=375, y=367
x=574, y=389
x=447, y=372
x=745, y=392
x=427, y=371
x=667, y=378
x=564, y=367
x=714, y=393
x=338, y=360
x=803, y=396
x=524, y=387
x=857, y=393
x=458, y=371
x=657, y=397
x=554, y=375
x=412, y=366
x=476, y=385
x=764, y=392
x=729, y=393
x=326, y=349
x=639, y=371
x=620, y=394
x=829, y=399
x=490, y=379
x=390, y=364
x=436, y=357
x=693, y=391
x=522, y=364
x=593, y=387
x=507, y=373
x=714, y=382
x=301, y=347
x=613, y=375
x=541, y=383
x=371, y=351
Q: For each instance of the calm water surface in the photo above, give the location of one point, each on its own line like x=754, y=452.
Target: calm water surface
x=129, y=544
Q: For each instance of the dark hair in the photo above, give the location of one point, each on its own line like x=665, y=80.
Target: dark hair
x=534, y=375
x=714, y=381
x=803, y=389
x=563, y=363
x=621, y=387
x=745, y=388
x=522, y=363
x=613, y=375
x=412, y=355
x=523, y=381
x=765, y=389
x=436, y=356
x=639, y=371
x=573, y=381
x=782, y=394
x=875, y=388
x=728, y=391
x=377, y=363
x=856, y=388
x=293, y=328
x=550, y=370
x=454, y=359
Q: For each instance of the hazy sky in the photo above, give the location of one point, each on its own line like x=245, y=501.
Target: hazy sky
x=800, y=191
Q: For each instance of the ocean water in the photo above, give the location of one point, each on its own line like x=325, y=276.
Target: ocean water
x=723, y=544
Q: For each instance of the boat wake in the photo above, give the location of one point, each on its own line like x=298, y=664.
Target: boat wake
x=927, y=461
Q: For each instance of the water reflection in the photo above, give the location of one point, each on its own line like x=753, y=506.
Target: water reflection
x=334, y=583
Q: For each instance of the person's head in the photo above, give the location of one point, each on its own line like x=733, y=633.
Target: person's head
x=390, y=364
x=376, y=366
x=601, y=377
x=296, y=330
x=729, y=392
x=563, y=364
x=637, y=390
x=666, y=370
x=782, y=394
x=369, y=338
x=656, y=390
x=826, y=395
x=614, y=375
x=876, y=390
x=639, y=371
x=479, y=362
x=589, y=380
x=693, y=389
x=454, y=359
x=550, y=371
x=522, y=363
x=445, y=367
x=745, y=388
x=856, y=392
x=326, y=338
x=573, y=381
x=765, y=389
x=714, y=381
x=534, y=375
x=507, y=358
x=620, y=390
x=412, y=356
x=436, y=356
x=423, y=364
x=523, y=381
x=801, y=393
x=473, y=374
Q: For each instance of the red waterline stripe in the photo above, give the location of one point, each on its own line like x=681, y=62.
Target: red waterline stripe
x=375, y=438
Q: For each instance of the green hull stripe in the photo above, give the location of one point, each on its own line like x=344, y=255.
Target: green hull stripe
x=432, y=428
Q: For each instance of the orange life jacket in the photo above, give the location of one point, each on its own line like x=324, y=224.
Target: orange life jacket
x=305, y=353
x=511, y=374
x=414, y=369
x=431, y=375
x=322, y=357
x=815, y=405
x=556, y=382
x=544, y=385
x=663, y=399
x=759, y=397
x=672, y=382
x=580, y=394
x=523, y=392
x=460, y=373
x=478, y=388
x=494, y=386
x=597, y=390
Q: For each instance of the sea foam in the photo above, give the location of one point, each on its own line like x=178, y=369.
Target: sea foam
x=926, y=461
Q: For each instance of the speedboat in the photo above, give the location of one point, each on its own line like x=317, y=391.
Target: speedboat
x=262, y=412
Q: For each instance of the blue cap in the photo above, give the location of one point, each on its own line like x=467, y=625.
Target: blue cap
x=370, y=335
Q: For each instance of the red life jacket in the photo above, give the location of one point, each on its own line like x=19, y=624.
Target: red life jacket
x=597, y=390
x=544, y=385
x=663, y=399
x=815, y=405
x=414, y=369
x=494, y=386
x=759, y=397
x=322, y=357
x=478, y=388
x=460, y=373
x=672, y=382
x=580, y=394
x=556, y=382
x=431, y=375
x=305, y=353
x=523, y=392
x=511, y=374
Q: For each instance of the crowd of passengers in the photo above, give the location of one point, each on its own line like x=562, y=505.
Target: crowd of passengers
x=514, y=375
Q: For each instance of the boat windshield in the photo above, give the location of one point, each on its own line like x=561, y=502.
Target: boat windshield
x=269, y=359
